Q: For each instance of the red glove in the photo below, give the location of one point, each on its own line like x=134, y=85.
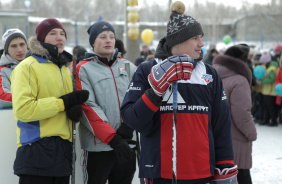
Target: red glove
x=168, y=71
x=225, y=176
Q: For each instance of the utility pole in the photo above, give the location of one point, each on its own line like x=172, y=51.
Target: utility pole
x=125, y=24
x=132, y=44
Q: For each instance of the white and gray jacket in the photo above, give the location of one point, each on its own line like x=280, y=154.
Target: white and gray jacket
x=107, y=86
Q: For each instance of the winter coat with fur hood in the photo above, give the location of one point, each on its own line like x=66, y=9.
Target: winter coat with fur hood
x=36, y=84
x=236, y=78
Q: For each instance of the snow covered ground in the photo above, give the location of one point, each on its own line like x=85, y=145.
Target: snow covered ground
x=267, y=156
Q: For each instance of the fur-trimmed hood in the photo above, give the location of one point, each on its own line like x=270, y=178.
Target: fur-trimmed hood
x=228, y=66
x=36, y=48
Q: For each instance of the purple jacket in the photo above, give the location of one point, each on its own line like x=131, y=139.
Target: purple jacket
x=236, y=78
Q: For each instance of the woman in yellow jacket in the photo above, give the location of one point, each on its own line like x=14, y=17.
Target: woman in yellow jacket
x=268, y=90
x=44, y=106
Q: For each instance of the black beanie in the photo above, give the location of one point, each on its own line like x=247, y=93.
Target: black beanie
x=97, y=28
x=181, y=27
x=240, y=51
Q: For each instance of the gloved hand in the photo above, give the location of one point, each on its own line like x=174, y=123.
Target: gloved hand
x=187, y=67
x=75, y=98
x=125, y=131
x=225, y=176
x=121, y=148
x=75, y=113
x=168, y=71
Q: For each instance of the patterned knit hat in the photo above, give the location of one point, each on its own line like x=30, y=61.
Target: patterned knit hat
x=44, y=27
x=9, y=35
x=181, y=27
x=97, y=28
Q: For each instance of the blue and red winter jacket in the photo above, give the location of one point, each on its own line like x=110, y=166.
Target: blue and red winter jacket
x=203, y=125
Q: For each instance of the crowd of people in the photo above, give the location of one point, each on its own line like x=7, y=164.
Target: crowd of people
x=266, y=103
x=207, y=104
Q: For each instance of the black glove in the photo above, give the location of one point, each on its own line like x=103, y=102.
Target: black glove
x=125, y=131
x=75, y=98
x=75, y=113
x=123, y=152
x=130, y=141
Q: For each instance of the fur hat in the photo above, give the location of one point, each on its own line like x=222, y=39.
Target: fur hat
x=98, y=27
x=181, y=27
x=265, y=58
x=9, y=35
x=44, y=27
x=278, y=47
x=240, y=51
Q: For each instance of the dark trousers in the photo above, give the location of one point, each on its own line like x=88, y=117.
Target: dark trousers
x=168, y=181
x=103, y=166
x=258, y=105
x=30, y=179
x=49, y=156
x=244, y=176
x=271, y=110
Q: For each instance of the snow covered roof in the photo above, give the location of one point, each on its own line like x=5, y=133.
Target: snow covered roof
x=39, y=19
x=15, y=12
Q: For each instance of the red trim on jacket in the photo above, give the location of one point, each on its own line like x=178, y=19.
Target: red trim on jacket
x=3, y=95
x=102, y=130
x=149, y=103
x=224, y=162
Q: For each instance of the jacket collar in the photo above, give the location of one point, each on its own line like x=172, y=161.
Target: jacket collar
x=49, y=52
x=93, y=55
x=7, y=60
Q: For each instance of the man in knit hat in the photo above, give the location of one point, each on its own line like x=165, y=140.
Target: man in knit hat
x=15, y=48
x=200, y=120
x=104, y=136
x=44, y=107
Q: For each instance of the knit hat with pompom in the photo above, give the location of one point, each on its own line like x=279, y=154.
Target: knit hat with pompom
x=265, y=58
x=181, y=27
